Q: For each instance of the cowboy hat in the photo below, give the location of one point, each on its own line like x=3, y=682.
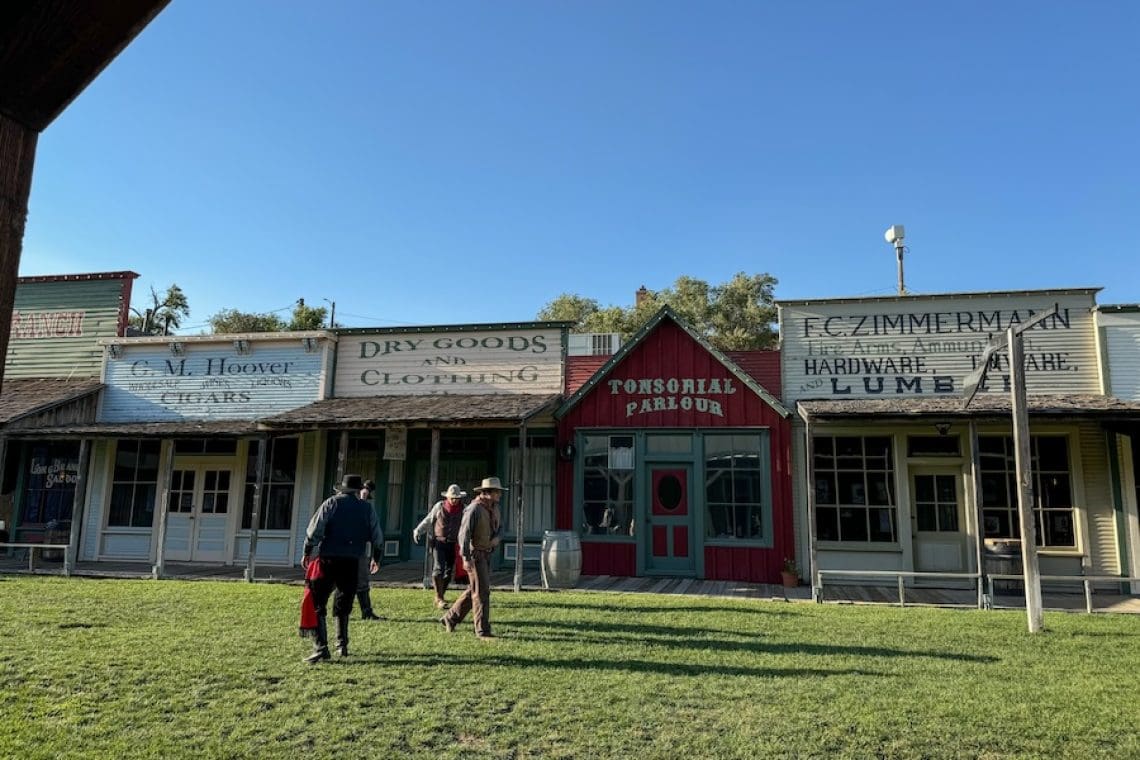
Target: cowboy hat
x=350, y=483
x=453, y=492
x=490, y=484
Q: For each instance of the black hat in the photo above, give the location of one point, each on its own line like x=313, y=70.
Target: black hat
x=350, y=483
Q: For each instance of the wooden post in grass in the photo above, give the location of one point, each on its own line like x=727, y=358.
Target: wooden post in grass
x=1019, y=404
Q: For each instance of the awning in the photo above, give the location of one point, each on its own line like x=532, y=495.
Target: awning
x=442, y=410
x=178, y=429
x=24, y=398
x=991, y=406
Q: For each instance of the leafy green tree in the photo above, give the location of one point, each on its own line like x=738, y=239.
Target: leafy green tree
x=308, y=317
x=233, y=321
x=737, y=315
x=163, y=314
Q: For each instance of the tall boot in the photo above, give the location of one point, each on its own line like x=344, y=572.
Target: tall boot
x=364, y=597
x=439, y=583
x=341, y=636
x=320, y=643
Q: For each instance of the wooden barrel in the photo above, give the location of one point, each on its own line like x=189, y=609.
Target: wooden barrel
x=561, y=559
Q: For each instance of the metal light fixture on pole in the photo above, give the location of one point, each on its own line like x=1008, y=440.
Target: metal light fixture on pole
x=1022, y=454
x=894, y=235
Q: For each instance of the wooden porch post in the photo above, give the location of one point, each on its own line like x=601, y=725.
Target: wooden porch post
x=520, y=507
x=809, y=471
x=17, y=156
x=163, y=508
x=979, y=514
x=433, y=489
x=78, y=507
x=255, y=517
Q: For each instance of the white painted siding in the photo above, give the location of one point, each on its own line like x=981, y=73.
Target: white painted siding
x=1104, y=557
x=418, y=363
x=924, y=346
x=97, y=486
x=1122, y=344
x=210, y=380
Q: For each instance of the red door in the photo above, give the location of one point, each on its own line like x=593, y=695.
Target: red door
x=670, y=534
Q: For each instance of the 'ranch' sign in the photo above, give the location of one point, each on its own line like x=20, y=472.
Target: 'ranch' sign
x=662, y=394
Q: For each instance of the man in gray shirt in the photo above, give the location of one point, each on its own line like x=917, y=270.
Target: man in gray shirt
x=340, y=532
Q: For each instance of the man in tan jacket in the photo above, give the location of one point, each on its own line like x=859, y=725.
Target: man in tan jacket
x=479, y=535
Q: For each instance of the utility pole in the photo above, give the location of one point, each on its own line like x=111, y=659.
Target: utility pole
x=1022, y=455
x=332, y=313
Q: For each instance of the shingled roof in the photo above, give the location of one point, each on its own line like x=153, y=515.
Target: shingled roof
x=26, y=397
x=984, y=405
x=438, y=410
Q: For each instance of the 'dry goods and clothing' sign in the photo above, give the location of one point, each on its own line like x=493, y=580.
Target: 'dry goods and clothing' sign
x=502, y=360
x=920, y=347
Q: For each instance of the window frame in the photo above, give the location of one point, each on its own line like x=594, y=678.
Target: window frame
x=1008, y=474
x=886, y=476
x=764, y=476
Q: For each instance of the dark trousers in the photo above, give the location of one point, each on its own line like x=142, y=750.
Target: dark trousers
x=477, y=597
x=336, y=573
x=444, y=559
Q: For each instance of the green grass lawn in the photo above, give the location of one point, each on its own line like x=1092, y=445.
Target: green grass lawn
x=105, y=668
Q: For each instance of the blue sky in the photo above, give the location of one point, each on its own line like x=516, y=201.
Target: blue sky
x=446, y=162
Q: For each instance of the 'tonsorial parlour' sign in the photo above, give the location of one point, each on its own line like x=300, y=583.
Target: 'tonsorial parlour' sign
x=920, y=346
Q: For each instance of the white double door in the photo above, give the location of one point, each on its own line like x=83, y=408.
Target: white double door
x=199, y=506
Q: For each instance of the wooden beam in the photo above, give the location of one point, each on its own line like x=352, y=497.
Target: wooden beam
x=17, y=156
x=50, y=50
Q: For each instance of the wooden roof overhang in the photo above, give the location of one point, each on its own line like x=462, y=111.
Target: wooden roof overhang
x=439, y=410
x=50, y=50
x=1105, y=409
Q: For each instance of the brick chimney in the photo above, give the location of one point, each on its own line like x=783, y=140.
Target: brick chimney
x=640, y=296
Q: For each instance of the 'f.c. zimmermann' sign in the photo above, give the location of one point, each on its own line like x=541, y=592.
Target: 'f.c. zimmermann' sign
x=492, y=361
x=834, y=350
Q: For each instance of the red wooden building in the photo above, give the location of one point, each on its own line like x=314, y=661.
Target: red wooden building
x=675, y=461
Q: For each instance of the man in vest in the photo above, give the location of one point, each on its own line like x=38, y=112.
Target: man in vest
x=479, y=535
x=443, y=521
x=339, y=531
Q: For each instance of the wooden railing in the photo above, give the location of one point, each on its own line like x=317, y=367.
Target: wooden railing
x=65, y=549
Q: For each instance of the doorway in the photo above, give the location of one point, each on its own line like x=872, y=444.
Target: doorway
x=669, y=520
x=198, y=510
x=938, y=526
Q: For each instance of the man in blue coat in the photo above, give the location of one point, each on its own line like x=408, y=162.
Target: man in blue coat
x=339, y=532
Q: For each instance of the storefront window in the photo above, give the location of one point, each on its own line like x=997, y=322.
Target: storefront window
x=279, y=485
x=53, y=469
x=539, y=494
x=854, y=489
x=1052, y=489
x=134, y=484
x=607, y=486
x=734, y=487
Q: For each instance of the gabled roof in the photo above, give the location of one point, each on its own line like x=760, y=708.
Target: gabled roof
x=630, y=345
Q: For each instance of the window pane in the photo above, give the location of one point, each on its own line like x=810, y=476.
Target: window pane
x=827, y=523
x=882, y=524
x=948, y=517
x=853, y=524
x=927, y=520
x=1052, y=453
x=669, y=444
x=825, y=491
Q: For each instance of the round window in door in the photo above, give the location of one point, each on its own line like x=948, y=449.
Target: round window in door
x=670, y=493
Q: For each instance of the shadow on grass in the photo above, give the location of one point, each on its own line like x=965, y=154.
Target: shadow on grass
x=625, y=665
x=626, y=609
x=693, y=638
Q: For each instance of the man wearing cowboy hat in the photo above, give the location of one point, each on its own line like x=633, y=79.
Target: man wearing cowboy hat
x=443, y=520
x=479, y=535
x=340, y=530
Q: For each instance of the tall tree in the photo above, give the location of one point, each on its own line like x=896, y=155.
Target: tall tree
x=163, y=314
x=308, y=317
x=734, y=316
x=234, y=321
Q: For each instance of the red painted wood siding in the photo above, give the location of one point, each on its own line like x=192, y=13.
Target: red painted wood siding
x=670, y=352
x=607, y=558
